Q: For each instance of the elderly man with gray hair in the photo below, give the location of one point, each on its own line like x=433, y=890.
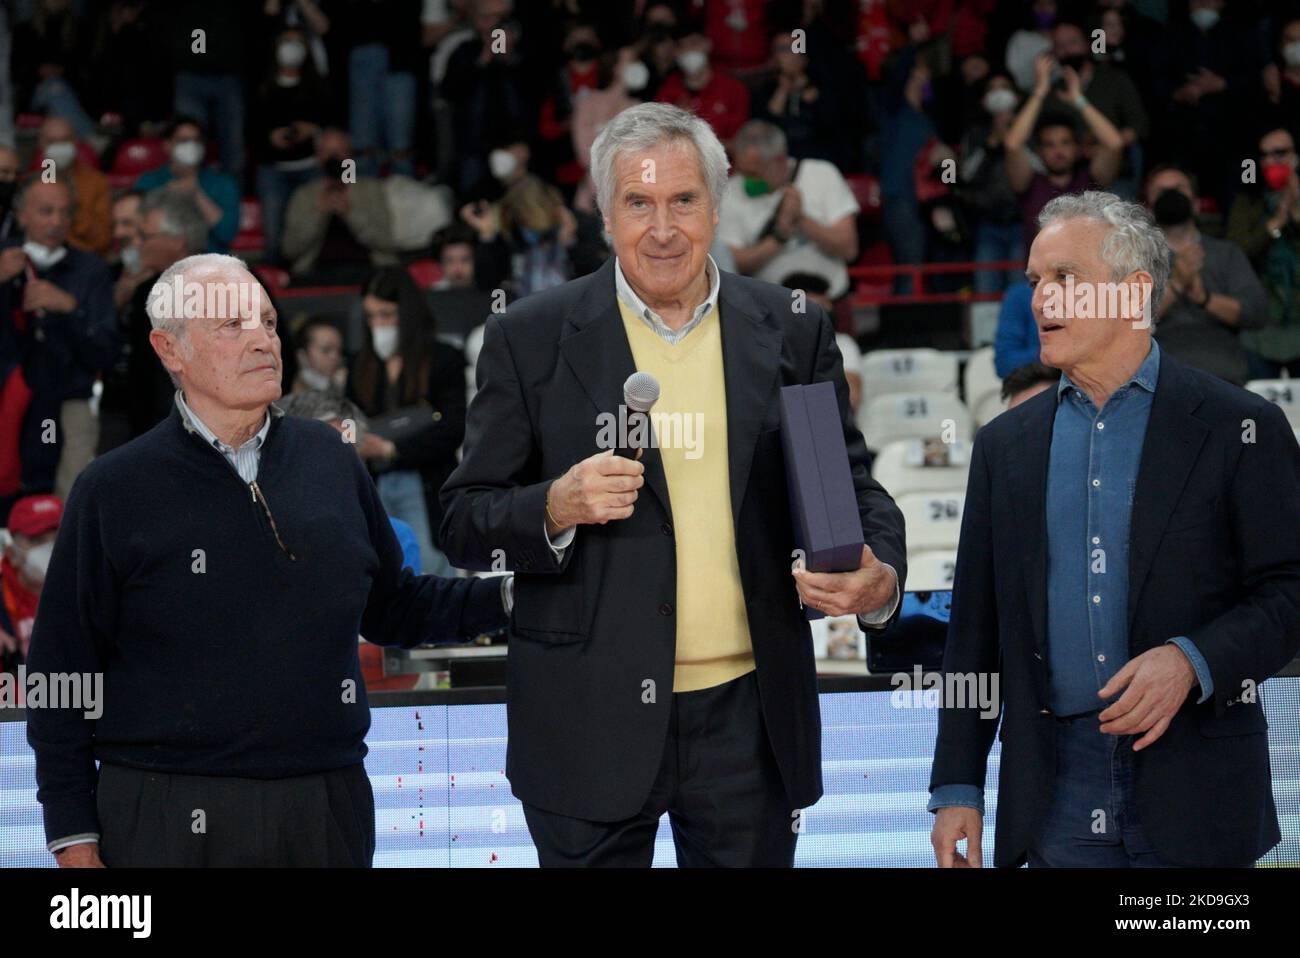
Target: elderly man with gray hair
x=1129, y=570
x=659, y=658
x=216, y=572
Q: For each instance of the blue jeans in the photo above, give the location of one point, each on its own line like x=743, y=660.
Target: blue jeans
x=998, y=241
x=381, y=106
x=274, y=187
x=402, y=493
x=217, y=101
x=905, y=234
x=1093, y=820
x=55, y=97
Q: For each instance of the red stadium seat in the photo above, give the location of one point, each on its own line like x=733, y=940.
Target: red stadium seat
x=134, y=157
x=866, y=190
x=251, y=238
x=425, y=272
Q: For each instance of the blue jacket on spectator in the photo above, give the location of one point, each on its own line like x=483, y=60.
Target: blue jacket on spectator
x=1017, y=338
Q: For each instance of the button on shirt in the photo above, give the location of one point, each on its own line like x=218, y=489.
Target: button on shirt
x=1092, y=476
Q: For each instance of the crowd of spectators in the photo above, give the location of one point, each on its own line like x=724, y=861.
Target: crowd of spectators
x=337, y=142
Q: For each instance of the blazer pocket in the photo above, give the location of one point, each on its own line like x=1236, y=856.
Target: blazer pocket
x=1239, y=719
x=549, y=608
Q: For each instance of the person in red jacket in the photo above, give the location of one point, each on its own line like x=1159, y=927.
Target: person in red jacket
x=713, y=96
x=33, y=523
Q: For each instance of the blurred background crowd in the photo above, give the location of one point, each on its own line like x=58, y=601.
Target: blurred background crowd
x=398, y=169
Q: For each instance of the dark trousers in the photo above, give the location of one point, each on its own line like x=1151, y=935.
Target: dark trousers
x=154, y=819
x=718, y=781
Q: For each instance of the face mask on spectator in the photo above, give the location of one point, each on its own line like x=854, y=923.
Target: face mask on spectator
x=42, y=256
x=1291, y=53
x=692, y=61
x=635, y=75
x=757, y=186
x=502, y=163
x=1000, y=100
x=384, y=339
x=62, y=153
x=1074, y=61
x=1205, y=18
x=7, y=189
x=188, y=153
x=37, y=560
x=291, y=53
x=318, y=380
x=583, y=52
x=1276, y=174
x=130, y=258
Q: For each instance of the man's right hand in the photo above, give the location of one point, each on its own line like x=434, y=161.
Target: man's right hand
x=85, y=855
x=600, y=488
x=951, y=825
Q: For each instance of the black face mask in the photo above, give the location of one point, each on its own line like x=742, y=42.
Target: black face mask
x=7, y=194
x=583, y=52
x=1172, y=208
x=333, y=168
x=1074, y=62
x=658, y=32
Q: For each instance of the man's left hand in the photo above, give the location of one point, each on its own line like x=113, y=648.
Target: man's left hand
x=1157, y=684
x=41, y=294
x=860, y=592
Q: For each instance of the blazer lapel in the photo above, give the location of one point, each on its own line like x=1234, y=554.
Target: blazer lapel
x=1173, y=442
x=751, y=358
x=1029, y=461
x=595, y=347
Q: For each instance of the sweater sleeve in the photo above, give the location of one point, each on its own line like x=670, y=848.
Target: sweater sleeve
x=405, y=609
x=74, y=630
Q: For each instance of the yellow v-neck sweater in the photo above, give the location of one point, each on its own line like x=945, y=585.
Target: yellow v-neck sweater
x=690, y=418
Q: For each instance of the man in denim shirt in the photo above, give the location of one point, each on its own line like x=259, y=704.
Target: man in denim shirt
x=1129, y=568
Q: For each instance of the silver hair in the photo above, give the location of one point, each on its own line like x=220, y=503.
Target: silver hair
x=1133, y=243
x=169, y=317
x=648, y=125
x=181, y=217
x=767, y=138
x=325, y=405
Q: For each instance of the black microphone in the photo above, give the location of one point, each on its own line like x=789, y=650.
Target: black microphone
x=640, y=393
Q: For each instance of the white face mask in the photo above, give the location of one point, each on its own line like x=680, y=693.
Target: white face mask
x=1291, y=53
x=188, y=153
x=37, y=560
x=43, y=257
x=291, y=54
x=1205, y=18
x=692, y=61
x=384, y=339
x=63, y=153
x=1000, y=100
x=635, y=75
x=130, y=259
x=318, y=380
x=502, y=163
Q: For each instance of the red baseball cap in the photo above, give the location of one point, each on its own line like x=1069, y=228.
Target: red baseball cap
x=32, y=515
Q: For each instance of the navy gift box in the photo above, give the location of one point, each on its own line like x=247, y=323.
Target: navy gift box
x=823, y=504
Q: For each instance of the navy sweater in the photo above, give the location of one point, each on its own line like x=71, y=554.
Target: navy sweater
x=236, y=659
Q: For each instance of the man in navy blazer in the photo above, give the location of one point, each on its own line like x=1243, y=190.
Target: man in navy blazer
x=1129, y=568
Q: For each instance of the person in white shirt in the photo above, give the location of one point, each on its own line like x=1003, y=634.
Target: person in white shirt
x=782, y=216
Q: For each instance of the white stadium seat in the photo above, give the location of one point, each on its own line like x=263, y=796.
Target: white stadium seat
x=933, y=520
x=1280, y=392
x=931, y=571
x=887, y=371
x=913, y=416
x=922, y=465
x=982, y=386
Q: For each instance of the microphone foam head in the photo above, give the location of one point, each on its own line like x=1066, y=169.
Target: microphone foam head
x=640, y=392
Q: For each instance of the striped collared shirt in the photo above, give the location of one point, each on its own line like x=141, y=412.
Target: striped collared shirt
x=245, y=459
x=652, y=319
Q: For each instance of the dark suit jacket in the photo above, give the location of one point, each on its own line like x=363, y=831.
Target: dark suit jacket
x=1213, y=555
x=588, y=632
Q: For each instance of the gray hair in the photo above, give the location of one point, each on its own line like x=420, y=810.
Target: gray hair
x=181, y=217
x=1133, y=243
x=767, y=138
x=648, y=125
x=325, y=405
